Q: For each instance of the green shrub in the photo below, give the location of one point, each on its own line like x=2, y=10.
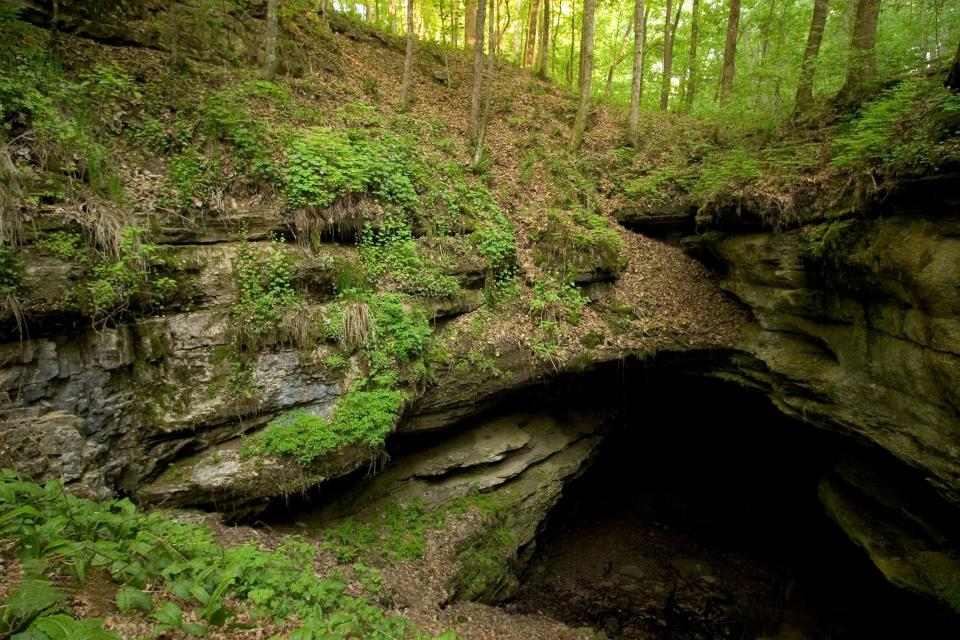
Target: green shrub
x=725, y=171
x=59, y=534
x=66, y=245
x=265, y=293
x=324, y=164
x=335, y=362
x=363, y=418
x=553, y=300
x=906, y=127
x=130, y=279
x=389, y=253
x=191, y=178
x=36, y=96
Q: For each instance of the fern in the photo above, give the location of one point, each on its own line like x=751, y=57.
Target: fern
x=129, y=598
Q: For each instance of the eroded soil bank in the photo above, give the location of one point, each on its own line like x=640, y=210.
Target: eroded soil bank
x=699, y=518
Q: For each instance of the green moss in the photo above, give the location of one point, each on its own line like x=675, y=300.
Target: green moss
x=361, y=418
x=486, y=563
x=578, y=240
x=592, y=340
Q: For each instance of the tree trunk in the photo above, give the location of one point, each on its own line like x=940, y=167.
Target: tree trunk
x=544, y=40
x=408, y=60
x=454, y=25
x=862, y=63
x=573, y=39
x=667, y=76
x=531, y=43
x=473, y=123
x=174, y=36
x=953, y=80
x=618, y=57
x=693, y=64
x=470, y=23
x=270, y=61
x=553, y=35
x=55, y=24
x=586, y=72
x=639, y=40
x=730, y=52
x=488, y=89
x=808, y=65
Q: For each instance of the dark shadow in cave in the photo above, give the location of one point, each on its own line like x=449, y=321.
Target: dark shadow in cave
x=699, y=519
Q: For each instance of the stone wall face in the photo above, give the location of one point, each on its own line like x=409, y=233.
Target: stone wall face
x=858, y=329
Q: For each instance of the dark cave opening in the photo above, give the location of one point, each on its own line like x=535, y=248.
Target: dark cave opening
x=699, y=518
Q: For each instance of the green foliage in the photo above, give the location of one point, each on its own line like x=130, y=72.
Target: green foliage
x=495, y=240
x=130, y=279
x=66, y=245
x=324, y=164
x=56, y=532
x=391, y=350
x=129, y=598
x=907, y=127
x=362, y=418
x=389, y=254
x=660, y=186
x=554, y=300
x=63, y=118
x=191, y=178
x=578, y=240
x=397, y=531
x=225, y=117
x=723, y=172
x=63, y=627
x=11, y=271
x=265, y=292
x=335, y=361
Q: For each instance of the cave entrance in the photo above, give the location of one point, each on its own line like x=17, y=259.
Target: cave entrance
x=699, y=518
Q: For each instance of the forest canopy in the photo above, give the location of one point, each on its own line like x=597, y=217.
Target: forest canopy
x=878, y=40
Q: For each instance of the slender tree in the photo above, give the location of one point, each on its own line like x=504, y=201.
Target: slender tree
x=454, y=25
x=474, y=121
x=174, y=36
x=573, y=39
x=270, y=61
x=531, y=43
x=690, y=88
x=553, y=35
x=544, y=41
x=55, y=24
x=862, y=62
x=443, y=39
x=586, y=72
x=408, y=60
x=618, y=55
x=639, y=39
x=667, y=76
x=730, y=51
x=488, y=86
x=470, y=23
x=808, y=65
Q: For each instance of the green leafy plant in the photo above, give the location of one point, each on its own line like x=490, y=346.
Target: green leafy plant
x=58, y=533
x=265, y=293
x=130, y=279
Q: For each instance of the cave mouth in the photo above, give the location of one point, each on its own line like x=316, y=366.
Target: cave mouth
x=699, y=518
